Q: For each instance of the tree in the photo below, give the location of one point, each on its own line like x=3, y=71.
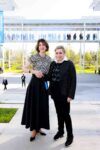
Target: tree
x=88, y=58
x=70, y=54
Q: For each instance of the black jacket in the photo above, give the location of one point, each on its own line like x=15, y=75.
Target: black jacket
x=67, y=84
x=5, y=82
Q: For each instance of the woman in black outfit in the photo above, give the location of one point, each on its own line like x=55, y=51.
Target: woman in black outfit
x=62, y=77
x=36, y=107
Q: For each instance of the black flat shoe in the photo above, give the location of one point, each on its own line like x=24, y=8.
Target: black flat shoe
x=69, y=141
x=58, y=135
x=42, y=133
x=32, y=138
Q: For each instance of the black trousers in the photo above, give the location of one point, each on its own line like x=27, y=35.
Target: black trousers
x=5, y=87
x=63, y=116
x=23, y=83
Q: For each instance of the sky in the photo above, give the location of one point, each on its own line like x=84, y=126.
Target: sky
x=53, y=9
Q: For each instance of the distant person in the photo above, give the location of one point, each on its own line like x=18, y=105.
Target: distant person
x=99, y=70
x=5, y=83
x=1, y=70
x=23, y=78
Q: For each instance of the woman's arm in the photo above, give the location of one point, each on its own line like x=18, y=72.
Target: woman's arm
x=73, y=80
x=27, y=69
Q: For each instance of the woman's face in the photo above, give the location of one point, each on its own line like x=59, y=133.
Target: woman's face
x=59, y=55
x=42, y=47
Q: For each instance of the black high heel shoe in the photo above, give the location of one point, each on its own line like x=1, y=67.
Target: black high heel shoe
x=42, y=133
x=32, y=138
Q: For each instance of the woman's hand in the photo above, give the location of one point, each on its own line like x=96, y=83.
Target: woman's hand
x=69, y=99
x=37, y=73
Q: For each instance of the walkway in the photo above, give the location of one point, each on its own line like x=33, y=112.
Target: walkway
x=86, y=125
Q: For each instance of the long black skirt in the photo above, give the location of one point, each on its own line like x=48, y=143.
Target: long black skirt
x=36, y=106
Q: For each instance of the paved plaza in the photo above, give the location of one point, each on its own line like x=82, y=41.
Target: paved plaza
x=85, y=112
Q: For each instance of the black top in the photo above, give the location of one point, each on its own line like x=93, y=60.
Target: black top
x=23, y=77
x=62, y=77
x=5, y=81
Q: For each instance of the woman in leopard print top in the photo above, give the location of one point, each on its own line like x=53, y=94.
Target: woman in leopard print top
x=36, y=108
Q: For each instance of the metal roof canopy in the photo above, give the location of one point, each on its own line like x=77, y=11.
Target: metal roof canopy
x=72, y=24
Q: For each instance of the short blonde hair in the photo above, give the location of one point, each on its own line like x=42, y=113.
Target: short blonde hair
x=60, y=47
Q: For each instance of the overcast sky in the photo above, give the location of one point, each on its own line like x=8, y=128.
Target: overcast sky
x=53, y=9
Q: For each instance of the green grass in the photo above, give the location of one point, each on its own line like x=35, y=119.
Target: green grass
x=6, y=114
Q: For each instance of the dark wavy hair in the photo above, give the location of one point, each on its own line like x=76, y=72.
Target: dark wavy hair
x=44, y=42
